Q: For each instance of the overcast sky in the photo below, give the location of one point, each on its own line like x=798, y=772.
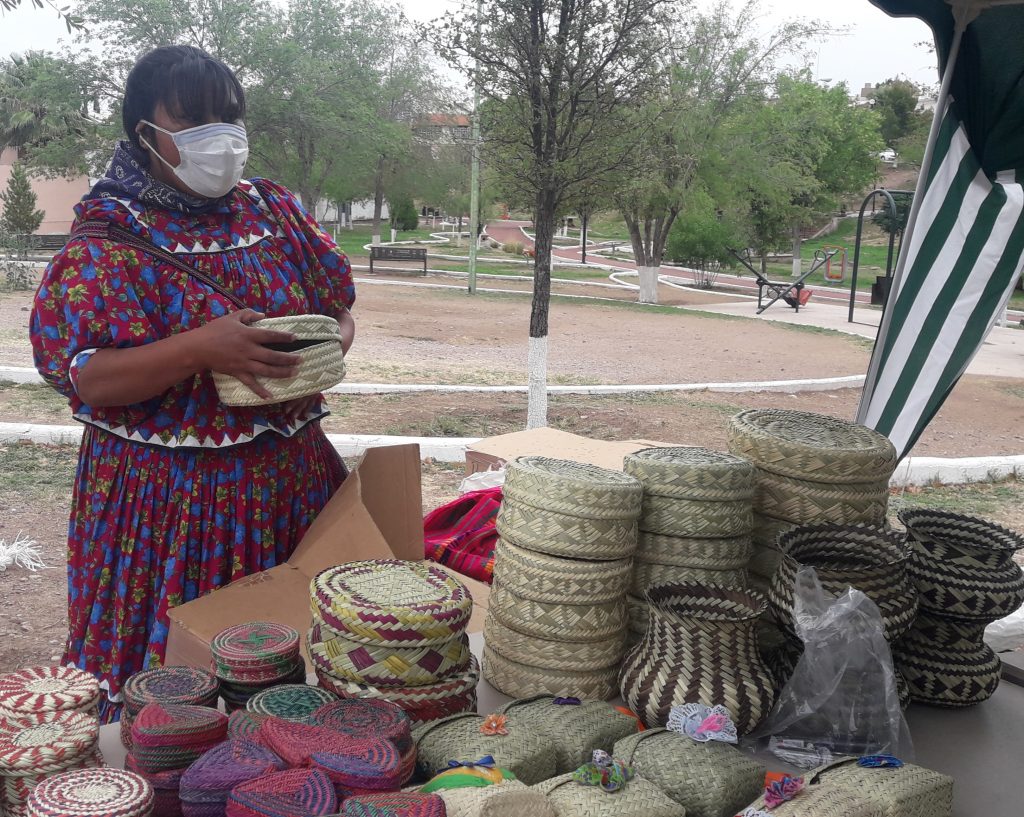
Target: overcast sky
x=875, y=48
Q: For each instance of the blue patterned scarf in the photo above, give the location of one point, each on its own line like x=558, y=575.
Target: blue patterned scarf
x=128, y=177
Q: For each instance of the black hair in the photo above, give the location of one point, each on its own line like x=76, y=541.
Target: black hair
x=190, y=83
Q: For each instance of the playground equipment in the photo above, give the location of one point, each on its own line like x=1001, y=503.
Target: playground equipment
x=883, y=283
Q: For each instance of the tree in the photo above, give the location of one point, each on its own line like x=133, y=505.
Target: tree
x=20, y=216
x=403, y=214
x=555, y=77
x=883, y=218
x=72, y=21
x=701, y=236
x=895, y=102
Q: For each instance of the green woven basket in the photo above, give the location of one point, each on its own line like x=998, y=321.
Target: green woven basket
x=291, y=702
x=572, y=488
x=811, y=447
x=558, y=622
x=568, y=535
x=576, y=730
x=689, y=518
x=541, y=577
x=910, y=791
x=519, y=680
x=709, y=779
x=557, y=655
x=639, y=798
x=529, y=756
x=809, y=503
x=692, y=473
x=649, y=574
x=730, y=553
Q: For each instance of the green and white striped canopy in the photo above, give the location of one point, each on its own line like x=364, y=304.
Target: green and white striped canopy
x=964, y=245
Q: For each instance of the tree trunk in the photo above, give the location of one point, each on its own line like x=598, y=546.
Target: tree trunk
x=797, y=246
x=648, y=284
x=544, y=227
x=378, y=199
x=764, y=263
x=584, y=219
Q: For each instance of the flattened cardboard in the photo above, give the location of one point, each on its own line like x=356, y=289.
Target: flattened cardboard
x=550, y=442
x=376, y=514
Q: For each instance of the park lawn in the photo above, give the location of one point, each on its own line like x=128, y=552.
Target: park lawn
x=570, y=273
x=353, y=242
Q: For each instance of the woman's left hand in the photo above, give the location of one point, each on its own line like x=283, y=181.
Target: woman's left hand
x=299, y=407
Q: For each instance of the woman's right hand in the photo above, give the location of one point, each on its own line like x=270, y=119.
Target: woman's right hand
x=230, y=346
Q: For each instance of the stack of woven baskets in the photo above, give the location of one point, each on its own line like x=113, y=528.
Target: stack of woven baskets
x=92, y=793
x=290, y=702
x=396, y=631
x=966, y=577
x=166, y=685
x=696, y=522
x=251, y=657
x=556, y=621
x=811, y=469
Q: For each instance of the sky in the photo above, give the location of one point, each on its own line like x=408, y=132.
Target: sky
x=874, y=48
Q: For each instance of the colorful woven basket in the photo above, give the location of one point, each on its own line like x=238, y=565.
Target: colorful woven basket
x=321, y=363
x=692, y=473
x=519, y=680
x=237, y=695
x=367, y=717
x=392, y=602
x=48, y=689
x=173, y=736
x=45, y=742
x=528, y=755
x=692, y=518
x=639, y=798
x=557, y=580
x=212, y=777
x=365, y=764
x=170, y=685
x=291, y=702
x=811, y=447
x=292, y=793
x=395, y=804
x=244, y=725
x=711, y=554
x=555, y=655
x=557, y=622
x=92, y=793
x=650, y=574
x=254, y=653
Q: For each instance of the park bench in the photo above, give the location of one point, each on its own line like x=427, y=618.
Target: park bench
x=793, y=293
x=415, y=254
x=51, y=242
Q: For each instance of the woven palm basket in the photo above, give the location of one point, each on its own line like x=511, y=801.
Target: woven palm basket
x=392, y=602
x=822, y=801
x=572, y=488
x=528, y=755
x=557, y=622
x=45, y=742
x=639, y=798
x=92, y=793
x=170, y=685
x=708, y=779
x=807, y=503
x=368, y=718
x=538, y=576
x=48, y=689
x=731, y=553
x=869, y=559
x=941, y=675
x=519, y=680
x=768, y=529
x=700, y=647
x=556, y=655
x=575, y=729
x=649, y=574
x=692, y=473
x=290, y=702
x=910, y=791
x=697, y=519
x=509, y=799
x=574, y=536
x=384, y=664
x=255, y=652
x=321, y=364
x=811, y=447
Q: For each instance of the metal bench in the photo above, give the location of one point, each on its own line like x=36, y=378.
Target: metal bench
x=415, y=254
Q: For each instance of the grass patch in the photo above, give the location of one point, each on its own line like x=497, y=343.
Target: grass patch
x=1002, y=501
x=37, y=402
x=352, y=242
x=447, y=425
x=38, y=474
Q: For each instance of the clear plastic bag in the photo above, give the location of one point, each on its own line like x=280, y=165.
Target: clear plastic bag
x=482, y=480
x=841, y=699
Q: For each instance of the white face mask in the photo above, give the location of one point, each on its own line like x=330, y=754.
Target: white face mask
x=212, y=156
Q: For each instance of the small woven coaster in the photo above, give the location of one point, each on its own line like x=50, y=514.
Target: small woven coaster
x=216, y=773
x=92, y=793
x=48, y=689
x=366, y=717
x=170, y=685
x=292, y=702
x=292, y=793
x=45, y=741
x=174, y=736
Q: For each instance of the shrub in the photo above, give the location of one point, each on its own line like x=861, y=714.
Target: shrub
x=513, y=248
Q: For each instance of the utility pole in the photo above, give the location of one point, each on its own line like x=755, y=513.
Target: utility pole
x=474, y=181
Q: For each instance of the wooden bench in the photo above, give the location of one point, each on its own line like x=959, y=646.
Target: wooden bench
x=415, y=254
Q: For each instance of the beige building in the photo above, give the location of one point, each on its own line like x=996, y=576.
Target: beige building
x=55, y=197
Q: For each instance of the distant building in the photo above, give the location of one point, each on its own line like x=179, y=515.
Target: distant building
x=444, y=129
x=55, y=197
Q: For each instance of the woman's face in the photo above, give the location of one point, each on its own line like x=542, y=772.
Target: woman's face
x=165, y=145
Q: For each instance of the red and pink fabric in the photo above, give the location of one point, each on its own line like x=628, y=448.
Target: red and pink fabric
x=462, y=534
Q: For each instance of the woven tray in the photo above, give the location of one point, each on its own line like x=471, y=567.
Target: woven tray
x=811, y=446
x=290, y=702
x=170, y=685
x=561, y=534
x=692, y=473
x=523, y=681
x=321, y=365
x=910, y=791
x=808, y=503
x=545, y=578
x=572, y=488
x=697, y=519
x=649, y=574
x=555, y=655
x=711, y=554
x=576, y=730
x=92, y=793
x=45, y=742
x=529, y=756
x=367, y=717
x=47, y=689
x=557, y=622
x=639, y=798
x=392, y=602
x=708, y=779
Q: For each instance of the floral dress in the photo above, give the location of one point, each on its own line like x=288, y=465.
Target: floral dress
x=179, y=495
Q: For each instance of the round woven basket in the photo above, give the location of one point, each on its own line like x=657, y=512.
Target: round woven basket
x=558, y=622
x=45, y=742
x=392, y=602
x=48, y=689
x=810, y=446
x=712, y=554
x=689, y=518
x=807, y=503
x=700, y=647
x=92, y=793
x=541, y=577
x=255, y=652
x=290, y=702
x=764, y=562
x=939, y=676
x=969, y=541
x=170, y=685
x=572, y=488
x=556, y=655
x=321, y=363
x=872, y=560
x=692, y=473
x=561, y=534
x=767, y=529
x=367, y=717
x=649, y=574
x=519, y=680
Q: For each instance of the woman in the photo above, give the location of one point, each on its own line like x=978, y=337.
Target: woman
x=177, y=494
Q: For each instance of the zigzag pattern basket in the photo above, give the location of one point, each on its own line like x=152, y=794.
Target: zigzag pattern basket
x=554, y=579
x=650, y=574
x=692, y=473
x=805, y=503
x=555, y=655
x=709, y=554
x=559, y=622
x=699, y=519
x=518, y=680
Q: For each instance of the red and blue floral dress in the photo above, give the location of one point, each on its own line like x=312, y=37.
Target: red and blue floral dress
x=179, y=495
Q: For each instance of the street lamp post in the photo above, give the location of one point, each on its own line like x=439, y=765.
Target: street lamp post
x=474, y=181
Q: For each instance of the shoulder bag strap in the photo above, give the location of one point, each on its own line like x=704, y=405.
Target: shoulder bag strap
x=111, y=232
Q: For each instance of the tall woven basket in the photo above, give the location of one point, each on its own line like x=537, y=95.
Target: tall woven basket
x=700, y=647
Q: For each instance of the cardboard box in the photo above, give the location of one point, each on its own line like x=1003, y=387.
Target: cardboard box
x=376, y=514
x=494, y=452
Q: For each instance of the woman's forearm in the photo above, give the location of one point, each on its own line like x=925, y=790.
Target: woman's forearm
x=348, y=329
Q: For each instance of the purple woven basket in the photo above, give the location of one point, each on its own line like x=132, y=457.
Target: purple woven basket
x=294, y=793
x=368, y=718
x=215, y=774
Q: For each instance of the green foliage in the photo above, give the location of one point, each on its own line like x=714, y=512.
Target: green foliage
x=884, y=219
x=72, y=21
x=20, y=216
x=512, y=248
x=403, y=215
x=895, y=102
x=701, y=236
